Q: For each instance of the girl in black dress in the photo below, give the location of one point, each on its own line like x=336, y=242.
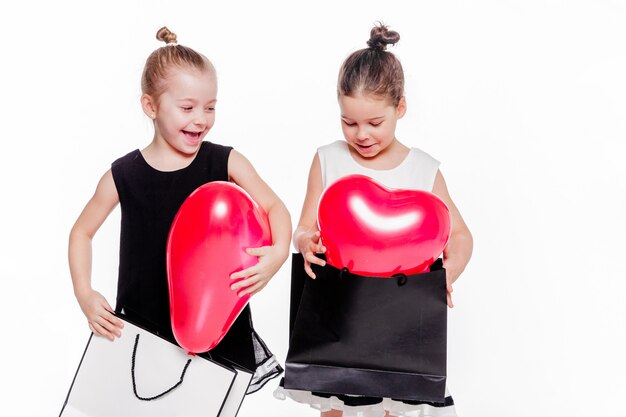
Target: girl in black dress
x=179, y=89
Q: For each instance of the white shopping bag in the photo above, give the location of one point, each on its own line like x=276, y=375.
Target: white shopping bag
x=237, y=391
x=141, y=374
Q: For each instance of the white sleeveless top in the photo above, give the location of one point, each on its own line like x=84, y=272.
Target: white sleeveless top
x=416, y=172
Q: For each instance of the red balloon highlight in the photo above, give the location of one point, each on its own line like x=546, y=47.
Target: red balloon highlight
x=377, y=231
x=206, y=244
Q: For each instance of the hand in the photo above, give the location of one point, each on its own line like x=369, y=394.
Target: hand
x=449, y=295
x=99, y=315
x=308, y=244
x=256, y=277
x=452, y=274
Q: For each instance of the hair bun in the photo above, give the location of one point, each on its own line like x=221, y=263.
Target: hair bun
x=166, y=36
x=381, y=36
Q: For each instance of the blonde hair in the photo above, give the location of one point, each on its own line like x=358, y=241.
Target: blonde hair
x=162, y=60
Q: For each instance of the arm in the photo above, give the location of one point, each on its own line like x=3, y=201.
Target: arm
x=95, y=307
x=306, y=238
x=271, y=258
x=458, y=251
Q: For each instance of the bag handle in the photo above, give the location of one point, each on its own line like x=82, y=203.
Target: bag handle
x=401, y=278
x=132, y=369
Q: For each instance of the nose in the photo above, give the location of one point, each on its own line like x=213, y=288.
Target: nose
x=362, y=134
x=200, y=119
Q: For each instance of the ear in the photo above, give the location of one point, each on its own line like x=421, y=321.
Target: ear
x=401, y=108
x=149, y=106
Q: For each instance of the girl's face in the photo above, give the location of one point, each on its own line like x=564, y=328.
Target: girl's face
x=369, y=122
x=185, y=111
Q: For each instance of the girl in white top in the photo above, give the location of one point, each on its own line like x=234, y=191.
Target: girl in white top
x=371, y=98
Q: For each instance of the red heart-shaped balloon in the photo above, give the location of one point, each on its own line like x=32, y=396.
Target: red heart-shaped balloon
x=377, y=231
x=207, y=243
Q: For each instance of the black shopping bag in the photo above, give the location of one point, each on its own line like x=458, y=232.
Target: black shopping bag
x=371, y=336
x=141, y=374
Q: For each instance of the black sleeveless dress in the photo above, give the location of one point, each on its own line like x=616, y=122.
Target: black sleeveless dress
x=149, y=201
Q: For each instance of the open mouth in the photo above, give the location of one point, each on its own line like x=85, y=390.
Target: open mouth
x=192, y=135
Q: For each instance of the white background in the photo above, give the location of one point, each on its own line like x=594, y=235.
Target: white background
x=524, y=102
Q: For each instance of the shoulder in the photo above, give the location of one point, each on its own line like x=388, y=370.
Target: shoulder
x=126, y=159
x=423, y=155
x=336, y=152
x=122, y=165
x=107, y=189
x=423, y=160
x=422, y=168
x=336, y=146
x=238, y=165
x=215, y=148
x=216, y=155
x=216, y=159
x=334, y=161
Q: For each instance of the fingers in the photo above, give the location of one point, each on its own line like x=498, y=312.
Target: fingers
x=110, y=317
x=106, y=323
x=311, y=258
x=254, y=288
x=317, y=243
x=100, y=317
x=309, y=241
x=241, y=283
x=316, y=237
x=250, y=285
x=116, y=322
x=449, y=300
x=244, y=273
x=251, y=280
x=99, y=330
x=308, y=270
x=262, y=251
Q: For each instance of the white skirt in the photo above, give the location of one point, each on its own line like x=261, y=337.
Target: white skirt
x=394, y=407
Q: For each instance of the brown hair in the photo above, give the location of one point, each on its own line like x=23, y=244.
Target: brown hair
x=160, y=62
x=373, y=70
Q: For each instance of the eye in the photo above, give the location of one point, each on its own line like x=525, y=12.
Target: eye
x=375, y=123
x=210, y=109
x=186, y=108
x=348, y=123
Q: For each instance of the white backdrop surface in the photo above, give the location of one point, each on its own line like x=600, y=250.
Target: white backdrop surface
x=524, y=102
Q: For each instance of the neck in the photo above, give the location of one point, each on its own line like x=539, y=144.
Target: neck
x=164, y=157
